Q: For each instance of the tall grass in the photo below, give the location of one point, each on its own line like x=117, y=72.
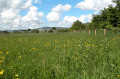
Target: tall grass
x=60, y=56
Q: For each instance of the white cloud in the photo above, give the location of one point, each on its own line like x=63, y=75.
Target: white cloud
x=84, y=18
x=94, y=5
x=67, y=7
x=38, y=1
x=14, y=4
x=61, y=8
x=10, y=18
x=55, y=14
x=27, y=4
x=69, y=19
x=33, y=17
x=8, y=14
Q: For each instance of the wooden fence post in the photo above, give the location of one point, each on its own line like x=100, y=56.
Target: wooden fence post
x=89, y=32
x=104, y=31
x=84, y=31
x=95, y=32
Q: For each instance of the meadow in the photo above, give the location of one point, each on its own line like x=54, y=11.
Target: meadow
x=60, y=56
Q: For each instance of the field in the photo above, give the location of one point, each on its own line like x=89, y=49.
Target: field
x=60, y=56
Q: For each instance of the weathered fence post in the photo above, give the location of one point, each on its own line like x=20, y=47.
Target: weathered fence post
x=95, y=32
x=104, y=31
x=89, y=32
x=84, y=31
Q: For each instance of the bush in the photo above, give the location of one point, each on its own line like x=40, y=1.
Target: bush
x=50, y=31
x=77, y=25
x=35, y=31
x=63, y=30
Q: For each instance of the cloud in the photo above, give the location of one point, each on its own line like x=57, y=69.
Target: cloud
x=82, y=18
x=10, y=18
x=55, y=14
x=61, y=8
x=15, y=5
x=94, y=5
x=68, y=20
x=38, y=1
x=33, y=17
x=27, y=4
x=85, y=18
x=8, y=14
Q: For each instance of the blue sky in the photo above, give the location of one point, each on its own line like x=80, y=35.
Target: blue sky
x=24, y=14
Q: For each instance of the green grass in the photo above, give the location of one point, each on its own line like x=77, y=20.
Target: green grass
x=60, y=56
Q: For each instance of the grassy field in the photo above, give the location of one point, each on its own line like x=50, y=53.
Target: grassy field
x=60, y=56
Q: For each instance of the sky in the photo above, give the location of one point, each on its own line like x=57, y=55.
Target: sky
x=24, y=14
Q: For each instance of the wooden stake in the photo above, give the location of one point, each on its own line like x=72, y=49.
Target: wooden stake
x=84, y=31
x=89, y=32
x=104, y=31
x=95, y=32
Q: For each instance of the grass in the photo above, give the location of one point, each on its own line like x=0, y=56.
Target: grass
x=60, y=56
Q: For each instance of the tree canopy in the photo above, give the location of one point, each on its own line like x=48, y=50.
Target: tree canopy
x=77, y=25
x=108, y=18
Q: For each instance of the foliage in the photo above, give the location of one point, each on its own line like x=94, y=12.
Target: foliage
x=108, y=18
x=5, y=32
x=53, y=28
x=50, y=31
x=90, y=26
x=77, y=25
x=63, y=30
x=35, y=31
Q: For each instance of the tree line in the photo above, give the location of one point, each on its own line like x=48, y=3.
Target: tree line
x=109, y=18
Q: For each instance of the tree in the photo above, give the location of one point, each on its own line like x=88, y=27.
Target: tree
x=108, y=18
x=35, y=31
x=53, y=28
x=96, y=21
x=29, y=29
x=77, y=25
x=117, y=4
x=90, y=26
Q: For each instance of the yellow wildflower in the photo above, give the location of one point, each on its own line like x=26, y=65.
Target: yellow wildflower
x=93, y=45
x=0, y=52
x=7, y=52
x=9, y=66
x=1, y=61
x=34, y=48
x=87, y=45
x=2, y=57
x=118, y=75
x=1, y=72
x=19, y=53
x=20, y=56
x=64, y=45
x=16, y=75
